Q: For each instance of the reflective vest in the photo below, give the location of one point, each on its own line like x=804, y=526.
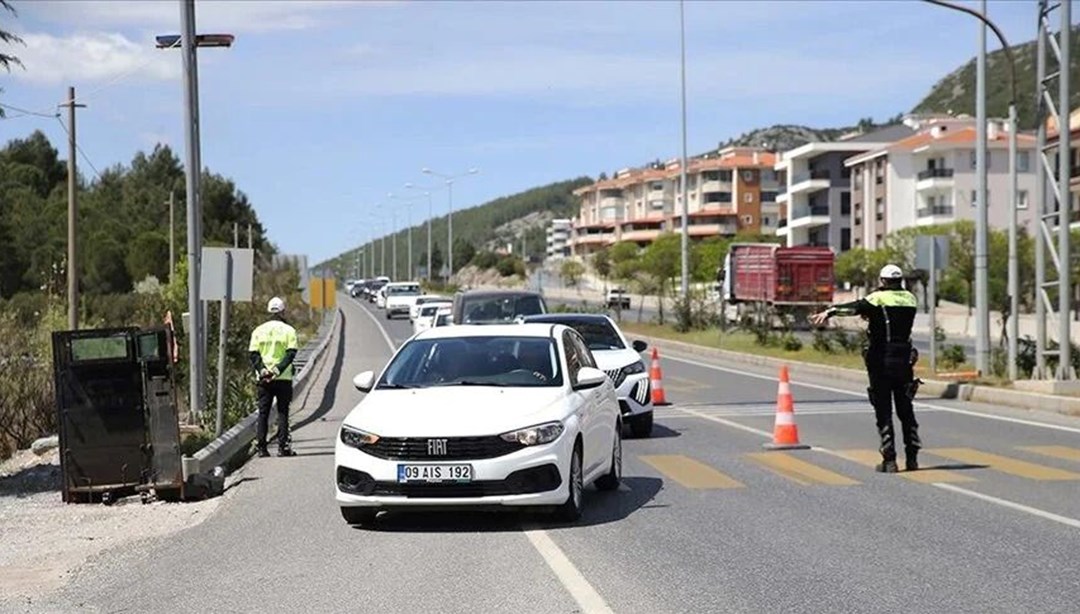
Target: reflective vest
x=271, y=340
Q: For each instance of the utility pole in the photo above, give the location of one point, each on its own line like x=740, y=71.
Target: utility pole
x=685, y=239
x=982, y=314
x=172, y=235
x=196, y=336
x=73, y=214
x=236, y=235
x=249, y=237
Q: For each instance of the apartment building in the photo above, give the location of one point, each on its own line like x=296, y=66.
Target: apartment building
x=1052, y=138
x=558, y=239
x=727, y=192
x=929, y=178
x=815, y=197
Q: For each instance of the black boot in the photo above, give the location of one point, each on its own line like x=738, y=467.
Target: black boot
x=888, y=466
x=262, y=452
x=912, y=463
x=285, y=451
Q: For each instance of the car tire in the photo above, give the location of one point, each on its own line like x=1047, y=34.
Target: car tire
x=388, y=316
x=641, y=425
x=571, y=510
x=611, y=480
x=360, y=516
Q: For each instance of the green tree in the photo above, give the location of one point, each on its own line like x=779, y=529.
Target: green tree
x=148, y=255
x=624, y=260
x=7, y=60
x=571, y=272
x=601, y=262
x=708, y=257
x=662, y=260
x=464, y=251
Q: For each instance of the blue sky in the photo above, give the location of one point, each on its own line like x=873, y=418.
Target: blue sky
x=322, y=108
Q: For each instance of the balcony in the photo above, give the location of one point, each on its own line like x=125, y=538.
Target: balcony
x=934, y=179
x=938, y=214
x=808, y=217
x=810, y=182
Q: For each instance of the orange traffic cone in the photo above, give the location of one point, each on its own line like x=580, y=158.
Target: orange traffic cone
x=655, y=377
x=785, y=432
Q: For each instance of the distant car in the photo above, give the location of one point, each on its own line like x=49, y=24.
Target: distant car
x=372, y=290
x=617, y=298
x=426, y=318
x=443, y=317
x=496, y=306
x=425, y=298
x=620, y=359
x=398, y=297
x=489, y=416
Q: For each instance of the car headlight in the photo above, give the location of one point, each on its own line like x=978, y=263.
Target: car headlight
x=634, y=368
x=535, y=435
x=355, y=438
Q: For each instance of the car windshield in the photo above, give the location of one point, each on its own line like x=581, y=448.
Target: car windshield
x=429, y=310
x=491, y=309
x=403, y=290
x=526, y=362
x=443, y=320
x=598, y=334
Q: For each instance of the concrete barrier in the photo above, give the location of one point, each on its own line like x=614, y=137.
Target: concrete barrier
x=218, y=452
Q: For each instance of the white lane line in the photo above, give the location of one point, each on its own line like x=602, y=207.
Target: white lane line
x=1065, y=520
x=1034, y=511
x=378, y=324
x=575, y=583
x=954, y=410
x=579, y=588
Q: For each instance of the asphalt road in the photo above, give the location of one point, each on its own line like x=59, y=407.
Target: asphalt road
x=707, y=522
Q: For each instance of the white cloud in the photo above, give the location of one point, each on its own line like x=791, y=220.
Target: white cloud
x=91, y=57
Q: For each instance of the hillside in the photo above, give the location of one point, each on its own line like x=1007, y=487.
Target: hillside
x=956, y=92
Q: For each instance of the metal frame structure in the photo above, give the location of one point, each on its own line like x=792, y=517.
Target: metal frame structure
x=1057, y=208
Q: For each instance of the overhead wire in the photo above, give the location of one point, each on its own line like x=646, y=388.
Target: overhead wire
x=25, y=112
x=79, y=149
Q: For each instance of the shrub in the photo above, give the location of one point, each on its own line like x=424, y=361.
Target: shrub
x=823, y=341
x=953, y=355
x=790, y=342
x=485, y=260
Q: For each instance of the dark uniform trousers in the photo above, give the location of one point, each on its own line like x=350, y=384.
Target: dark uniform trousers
x=889, y=386
x=281, y=391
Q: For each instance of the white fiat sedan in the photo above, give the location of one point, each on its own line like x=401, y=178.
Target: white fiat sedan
x=481, y=416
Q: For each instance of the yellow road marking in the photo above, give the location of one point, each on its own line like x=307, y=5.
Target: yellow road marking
x=1062, y=452
x=1005, y=464
x=689, y=472
x=798, y=470
x=870, y=458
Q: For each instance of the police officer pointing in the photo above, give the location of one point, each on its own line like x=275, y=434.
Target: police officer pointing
x=272, y=350
x=890, y=360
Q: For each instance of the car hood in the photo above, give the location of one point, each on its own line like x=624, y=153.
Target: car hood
x=454, y=411
x=615, y=359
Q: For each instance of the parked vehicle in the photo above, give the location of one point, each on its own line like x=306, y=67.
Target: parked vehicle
x=618, y=298
x=617, y=357
x=496, y=306
x=766, y=280
x=489, y=416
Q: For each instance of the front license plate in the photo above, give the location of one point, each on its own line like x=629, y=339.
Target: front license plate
x=435, y=473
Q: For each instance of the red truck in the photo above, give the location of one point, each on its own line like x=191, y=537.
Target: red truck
x=766, y=279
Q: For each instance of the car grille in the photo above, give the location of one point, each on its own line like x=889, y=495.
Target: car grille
x=523, y=482
x=457, y=448
x=642, y=392
x=616, y=376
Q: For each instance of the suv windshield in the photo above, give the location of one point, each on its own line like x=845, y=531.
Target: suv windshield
x=500, y=309
x=475, y=361
x=403, y=290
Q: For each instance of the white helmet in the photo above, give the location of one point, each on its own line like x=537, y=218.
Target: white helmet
x=276, y=305
x=891, y=271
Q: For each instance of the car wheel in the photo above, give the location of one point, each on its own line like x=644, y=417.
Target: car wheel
x=388, y=315
x=359, y=515
x=571, y=510
x=641, y=424
x=612, y=479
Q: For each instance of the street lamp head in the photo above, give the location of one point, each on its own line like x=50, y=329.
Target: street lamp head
x=168, y=41
x=426, y=171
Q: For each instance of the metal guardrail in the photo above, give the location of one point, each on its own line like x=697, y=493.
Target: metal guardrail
x=219, y=451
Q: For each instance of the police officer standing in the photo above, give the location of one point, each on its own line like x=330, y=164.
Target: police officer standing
x=890, y=360
x=272, y=351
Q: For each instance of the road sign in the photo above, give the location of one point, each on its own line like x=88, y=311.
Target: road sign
x=215, y=270
x=323, y=293
x=922, y=252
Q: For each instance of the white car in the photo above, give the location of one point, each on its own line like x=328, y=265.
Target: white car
x=425, y=298
x=619, y=358
x=493, y=416
x=426, y=317
x=399, y=296
x=443, y=317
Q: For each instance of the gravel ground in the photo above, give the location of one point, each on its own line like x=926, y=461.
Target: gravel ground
x=44, y=541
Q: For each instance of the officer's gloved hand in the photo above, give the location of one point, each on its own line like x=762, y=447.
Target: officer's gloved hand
x=274, y=372
x=265, y=375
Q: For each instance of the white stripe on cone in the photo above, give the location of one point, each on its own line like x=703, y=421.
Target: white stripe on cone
x=785, y=417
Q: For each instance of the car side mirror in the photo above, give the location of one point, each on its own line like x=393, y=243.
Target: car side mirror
x=589, y=377
x=365, y=381
x=640, y=346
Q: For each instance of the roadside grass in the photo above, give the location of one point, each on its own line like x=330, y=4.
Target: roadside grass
x=746, y=343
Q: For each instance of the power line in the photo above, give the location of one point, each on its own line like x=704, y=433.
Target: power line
x=79, y=149
x=26, y=112
x=125, y=75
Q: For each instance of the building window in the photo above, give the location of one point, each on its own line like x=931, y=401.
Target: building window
x=974, y=197
x=748, y=220
x=879, y=209
x=877, y=239
x=765, y=221
x=748, y=197
x=845, y=239
x=710, y=176
x=973, y=158
x=768, y=197
x=1022, y=199
x=768, y=175
x=656, y=186
x=717, y=197
x=725, y=176
x=1023, y=162
x=748, y=176
x=845, y=203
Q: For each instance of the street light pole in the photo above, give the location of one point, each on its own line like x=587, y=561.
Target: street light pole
x=393, y=243
x=450, y=218
x=431, y=214
x=685, y=244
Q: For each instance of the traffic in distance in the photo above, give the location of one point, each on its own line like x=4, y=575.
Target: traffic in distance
x=493, y=402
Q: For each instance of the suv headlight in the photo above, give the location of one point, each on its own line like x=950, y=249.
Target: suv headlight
x=634, y=368
x=535, y=435
x=355, y=438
